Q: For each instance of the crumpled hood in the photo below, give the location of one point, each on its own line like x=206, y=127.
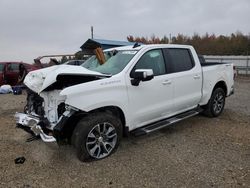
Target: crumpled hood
x=39, y=80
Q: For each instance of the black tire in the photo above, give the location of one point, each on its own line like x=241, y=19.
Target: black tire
x=96, y=136
x=215, y=104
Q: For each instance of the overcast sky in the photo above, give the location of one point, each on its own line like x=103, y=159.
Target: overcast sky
x=31, y=28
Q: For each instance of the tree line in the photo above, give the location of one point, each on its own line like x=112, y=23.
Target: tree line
x=208, y=44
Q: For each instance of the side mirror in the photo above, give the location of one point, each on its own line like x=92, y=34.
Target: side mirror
x=142, y=75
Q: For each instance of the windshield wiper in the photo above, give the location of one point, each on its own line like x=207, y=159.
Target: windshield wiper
x=106, y=74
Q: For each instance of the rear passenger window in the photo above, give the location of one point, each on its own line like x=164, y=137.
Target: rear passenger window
x=178, y=60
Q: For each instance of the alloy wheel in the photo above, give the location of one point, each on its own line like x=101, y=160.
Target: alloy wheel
x=101, y=140
x=218, y=103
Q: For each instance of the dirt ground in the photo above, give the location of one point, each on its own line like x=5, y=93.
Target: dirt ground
x=198, y=152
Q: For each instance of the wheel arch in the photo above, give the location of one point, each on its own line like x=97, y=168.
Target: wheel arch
x=67, y=129
x=221, y=84
x=210, y=89
x=117, y=112
x=209, y=107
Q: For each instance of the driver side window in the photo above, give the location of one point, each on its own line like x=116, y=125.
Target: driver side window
x=151, y=60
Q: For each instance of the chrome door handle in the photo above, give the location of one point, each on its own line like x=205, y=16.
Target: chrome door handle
x=166, y=82
x=197, y=77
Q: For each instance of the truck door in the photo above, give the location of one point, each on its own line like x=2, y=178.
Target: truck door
x=11, y=73
x=187, y=78
x=152, y=99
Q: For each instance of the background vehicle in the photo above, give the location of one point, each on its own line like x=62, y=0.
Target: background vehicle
x=9, y=72
x=74, y=62
x=137, y=89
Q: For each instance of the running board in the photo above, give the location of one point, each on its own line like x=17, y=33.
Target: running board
x=164, y=123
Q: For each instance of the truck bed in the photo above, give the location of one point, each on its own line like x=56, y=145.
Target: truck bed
x=211, y=63
x=211, y=73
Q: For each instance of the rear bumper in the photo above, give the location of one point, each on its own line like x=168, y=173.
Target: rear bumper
x=33, y=123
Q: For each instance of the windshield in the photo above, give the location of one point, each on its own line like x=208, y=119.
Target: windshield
x=116, y=61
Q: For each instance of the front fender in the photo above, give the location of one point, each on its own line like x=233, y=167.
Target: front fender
x=97, y=94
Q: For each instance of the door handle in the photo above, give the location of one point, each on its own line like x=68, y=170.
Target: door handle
x=197, y=76
x=166, y=82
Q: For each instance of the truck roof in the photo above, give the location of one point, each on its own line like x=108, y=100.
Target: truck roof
x=131, y=47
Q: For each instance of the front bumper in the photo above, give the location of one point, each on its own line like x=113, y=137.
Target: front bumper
x=34, y=124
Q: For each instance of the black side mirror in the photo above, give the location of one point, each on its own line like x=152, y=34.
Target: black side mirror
x=142, y=75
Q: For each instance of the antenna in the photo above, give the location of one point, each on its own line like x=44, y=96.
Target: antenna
x=92, y=32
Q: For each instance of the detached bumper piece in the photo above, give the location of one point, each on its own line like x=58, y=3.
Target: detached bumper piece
x=32, y=124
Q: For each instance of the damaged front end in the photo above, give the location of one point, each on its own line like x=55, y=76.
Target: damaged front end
x=46, y=113
x=33, y=124
x=42, y=115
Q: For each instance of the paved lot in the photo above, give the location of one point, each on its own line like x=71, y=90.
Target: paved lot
x=199, y=152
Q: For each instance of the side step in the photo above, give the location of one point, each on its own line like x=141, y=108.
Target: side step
x=166, y=122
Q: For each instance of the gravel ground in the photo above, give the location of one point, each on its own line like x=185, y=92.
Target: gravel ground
x=198, y=152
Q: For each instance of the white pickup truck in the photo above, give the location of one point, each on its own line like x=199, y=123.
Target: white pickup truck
x=138, y=89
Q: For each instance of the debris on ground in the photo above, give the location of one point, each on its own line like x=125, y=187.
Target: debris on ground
x=5, y=89
x=17, y=90
x=20, y=160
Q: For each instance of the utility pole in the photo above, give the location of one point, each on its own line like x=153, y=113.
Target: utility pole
x=170, y=39
x=92, y=32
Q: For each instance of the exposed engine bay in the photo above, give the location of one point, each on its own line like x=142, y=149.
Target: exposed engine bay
x=45, y=105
